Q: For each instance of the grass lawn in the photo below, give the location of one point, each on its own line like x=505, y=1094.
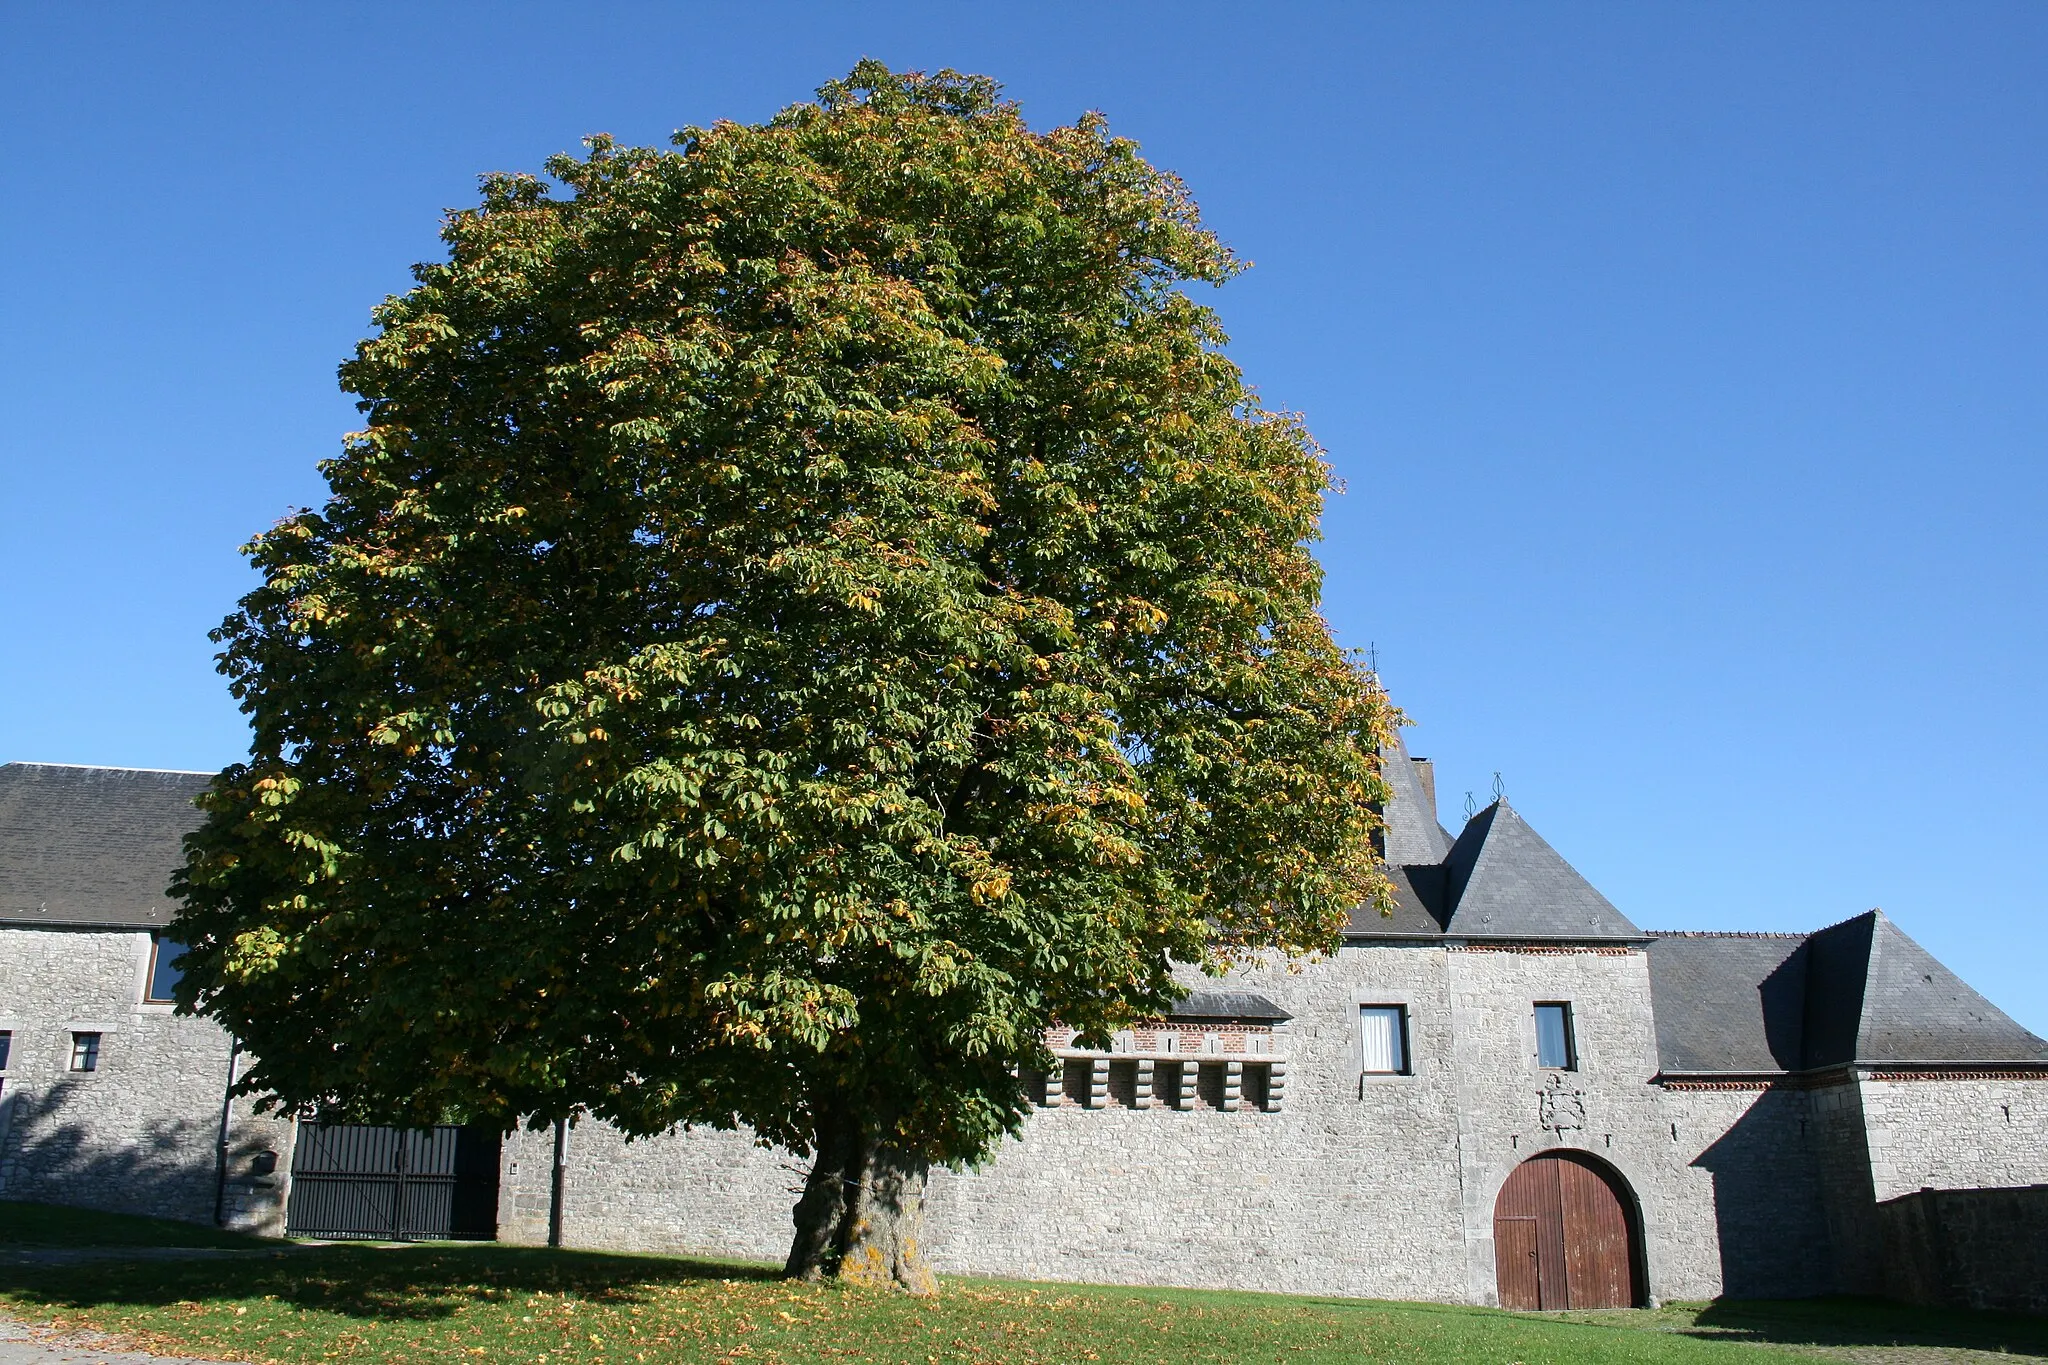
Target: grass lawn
x=492, y=1303
x=49, y=1225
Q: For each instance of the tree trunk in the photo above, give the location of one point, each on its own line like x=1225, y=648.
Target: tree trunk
x=820, y=1214
x=882, y=1243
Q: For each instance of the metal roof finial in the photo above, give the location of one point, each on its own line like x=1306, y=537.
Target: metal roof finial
x=1471, y=806
x=1500, y=792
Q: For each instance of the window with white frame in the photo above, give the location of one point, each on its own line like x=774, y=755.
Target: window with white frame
x=1383, y=1040
x=6, y=1046
x=85, y=1052
x=1556, y=1048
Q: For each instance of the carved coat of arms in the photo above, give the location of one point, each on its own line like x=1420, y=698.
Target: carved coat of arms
x=1560, y=1109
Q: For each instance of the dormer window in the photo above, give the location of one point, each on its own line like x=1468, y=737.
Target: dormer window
x=163, y=969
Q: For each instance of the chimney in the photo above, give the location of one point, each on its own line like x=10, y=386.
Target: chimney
x=1426, y=770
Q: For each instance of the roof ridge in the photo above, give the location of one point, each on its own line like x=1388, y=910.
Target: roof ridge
x=106, y=767
x=1722, y=933
x=1873, y=910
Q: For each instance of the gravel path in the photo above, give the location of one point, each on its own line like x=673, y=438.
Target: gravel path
x=24, y=1344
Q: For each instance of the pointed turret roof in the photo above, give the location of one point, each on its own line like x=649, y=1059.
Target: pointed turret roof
x=1413, y=835
x=1417, y=911
x=1504, y=881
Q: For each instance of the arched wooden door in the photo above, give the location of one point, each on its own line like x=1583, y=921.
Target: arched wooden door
x=1562, y=1237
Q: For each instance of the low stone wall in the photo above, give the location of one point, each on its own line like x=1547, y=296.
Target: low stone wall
x=1968, y=1248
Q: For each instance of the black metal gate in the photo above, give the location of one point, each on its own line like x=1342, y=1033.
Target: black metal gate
x=393, y=1183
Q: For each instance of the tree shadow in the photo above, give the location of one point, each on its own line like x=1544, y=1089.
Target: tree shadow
x=166, y=1171
x=395, y=1283
x=1870, y=1322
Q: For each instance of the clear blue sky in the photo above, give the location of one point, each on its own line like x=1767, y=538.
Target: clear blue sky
x=1687, y=365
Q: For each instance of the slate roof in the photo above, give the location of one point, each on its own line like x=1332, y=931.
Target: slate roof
x=92, y=846
x=96, y=847
x=1913, y=1009
x=1418, y=907
x=1498, y=879
x=1412, y=833
x=1856, y=992
x=1246, y=1005
x=1502, y=880
x=1729, y=1002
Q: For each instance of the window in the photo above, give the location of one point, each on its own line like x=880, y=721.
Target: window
x=163, y=968
x=6, y=1046
x=85, y=1052
x=1383, y=1038
x=1555, y=1046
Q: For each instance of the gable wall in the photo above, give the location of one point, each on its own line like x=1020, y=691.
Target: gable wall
x=140, y=1134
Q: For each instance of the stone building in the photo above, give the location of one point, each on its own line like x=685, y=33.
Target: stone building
x=107, y=1098
x=1505, y=1092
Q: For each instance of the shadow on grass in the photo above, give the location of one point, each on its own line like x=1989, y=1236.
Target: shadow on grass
x=381, y=1283
x=26, y=1224
x=1868, y=1322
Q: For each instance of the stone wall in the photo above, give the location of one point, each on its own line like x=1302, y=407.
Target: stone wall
x=1380, y=1186
x=139, y=1134
x=1607, y=1109
x=1351, y=1187
x=702, y=1193
x=1377, y=1186
x=1841, y=1150
x=1976, y=1248
x=1750, y=1143
x=1953, y=1131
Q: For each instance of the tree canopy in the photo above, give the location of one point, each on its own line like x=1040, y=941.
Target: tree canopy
x=809, y=608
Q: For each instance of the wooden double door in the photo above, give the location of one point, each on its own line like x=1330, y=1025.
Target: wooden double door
x=1562, y=1237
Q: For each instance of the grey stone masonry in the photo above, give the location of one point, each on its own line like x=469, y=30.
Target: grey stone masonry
x=1775, y=1112
x=139, y=1133
x=1339, y=1181
x=1377, y=1185
x=1969, y=1248
x=1953, y=1130
x=1749, y=1160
